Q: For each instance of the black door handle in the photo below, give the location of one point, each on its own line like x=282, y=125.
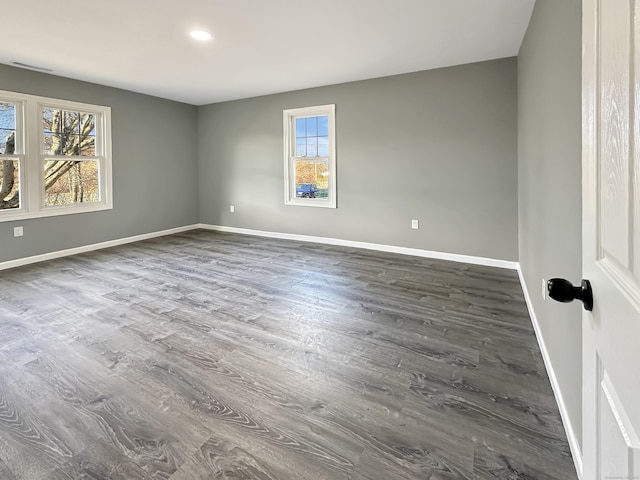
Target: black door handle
x=563, y=291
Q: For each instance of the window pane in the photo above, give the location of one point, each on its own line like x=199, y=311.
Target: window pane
x=51, y=120
x=87, y=123
x=312, y=178
x=61, y=144
x=88, y=145
x=312, y=146
x=70, y=122
x=69, y=133
x=71, y=182
x=312, y=126
x=301, y=147
x=9, y=184
x=7, y=127
x=300, y=127
x=323, y=125
x=323, y=146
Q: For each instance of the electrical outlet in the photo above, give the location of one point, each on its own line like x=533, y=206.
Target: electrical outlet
x=18, y=231
x=544, y=289
x=232, y=209
x=415, y=224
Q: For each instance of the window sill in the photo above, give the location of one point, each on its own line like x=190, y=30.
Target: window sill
x=7, y=216
x=311, y=202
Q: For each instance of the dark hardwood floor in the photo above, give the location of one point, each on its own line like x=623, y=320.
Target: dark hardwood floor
x=218, y=356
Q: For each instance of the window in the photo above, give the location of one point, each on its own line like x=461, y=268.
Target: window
x=55, y=157
x=310, y=156
x=11, y=162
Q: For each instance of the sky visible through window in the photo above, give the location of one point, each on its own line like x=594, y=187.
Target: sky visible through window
x=312, y=136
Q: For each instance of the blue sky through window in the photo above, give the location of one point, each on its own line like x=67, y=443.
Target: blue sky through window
x=312, y=136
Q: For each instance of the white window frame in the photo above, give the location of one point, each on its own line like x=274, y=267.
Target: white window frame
x=289, y=121
x=19, y=150
x=30, y=150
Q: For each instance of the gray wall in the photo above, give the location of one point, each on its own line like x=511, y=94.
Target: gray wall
x=439, y=146
x=154, y=168
x=549, y=181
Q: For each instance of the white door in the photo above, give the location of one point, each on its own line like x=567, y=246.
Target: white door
x=611, y=239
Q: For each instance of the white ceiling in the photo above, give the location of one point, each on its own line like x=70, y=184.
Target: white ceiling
x=260, y=46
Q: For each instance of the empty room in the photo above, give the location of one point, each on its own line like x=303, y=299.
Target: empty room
x=363, y=240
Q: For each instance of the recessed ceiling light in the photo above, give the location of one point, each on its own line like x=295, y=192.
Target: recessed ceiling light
x=201, y=35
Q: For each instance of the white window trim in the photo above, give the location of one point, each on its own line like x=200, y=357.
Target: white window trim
x=289, y=117
x=31, y=156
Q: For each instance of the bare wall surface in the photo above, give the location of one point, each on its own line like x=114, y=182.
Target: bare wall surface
x=154, y=168
x=549, y=181
x=439, y=146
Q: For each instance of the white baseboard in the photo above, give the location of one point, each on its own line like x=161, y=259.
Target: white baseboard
x=572, y=438
x=88, y=248
x=455, y=257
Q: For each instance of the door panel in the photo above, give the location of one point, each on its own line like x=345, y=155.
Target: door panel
x=614, y=146
x=620, y=449
x=611, y=239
